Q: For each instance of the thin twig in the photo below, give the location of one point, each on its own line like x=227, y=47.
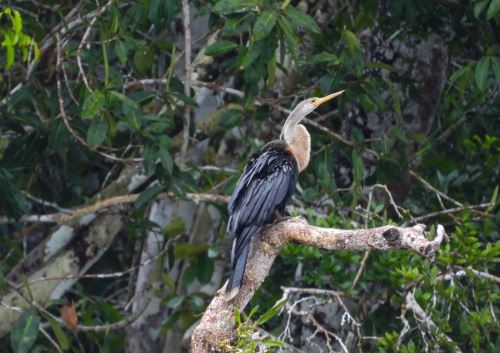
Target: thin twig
x=433, y=189
x=79, y=49
x=65, y=117
x=187, y=82
x=445, y=212
x=107, y=275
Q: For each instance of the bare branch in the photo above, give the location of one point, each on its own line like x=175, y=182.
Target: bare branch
x=65, y=216
x=423, y=317
x=217, y=322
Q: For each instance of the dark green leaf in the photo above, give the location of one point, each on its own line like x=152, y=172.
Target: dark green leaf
x=230, y=118
x=166, y=159
x=96, y=134
x=169, y=321
x=143, y=59
x=24, y=332
x=189, y=275
x=358, y=169
x=479, y=7
x=147, y=195
x=121, y=51
x=495, y=65
x=205, y=268
x=264, y=25
x=13, y=203
x=493, y=9
x=62, y=339
x=251, y=55
x=162, y=12
x=481, y=73
x=325, y=57
x=92, y=104
x=220, y=47
x=298, y=18
x=225, y=7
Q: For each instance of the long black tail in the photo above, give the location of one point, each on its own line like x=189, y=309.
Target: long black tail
x=236, y=277
x=241, y=249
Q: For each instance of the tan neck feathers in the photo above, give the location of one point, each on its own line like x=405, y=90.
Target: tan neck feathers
x=300, y=146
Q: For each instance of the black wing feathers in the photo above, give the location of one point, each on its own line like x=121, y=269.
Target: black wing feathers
x=267, y=183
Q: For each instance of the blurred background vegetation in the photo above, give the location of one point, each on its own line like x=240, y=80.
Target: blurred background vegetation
x=112, y=226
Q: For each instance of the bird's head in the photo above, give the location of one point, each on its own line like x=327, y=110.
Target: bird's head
x=301, y=110
x=308, y=105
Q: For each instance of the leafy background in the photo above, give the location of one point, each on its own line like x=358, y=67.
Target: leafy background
x=90, y=93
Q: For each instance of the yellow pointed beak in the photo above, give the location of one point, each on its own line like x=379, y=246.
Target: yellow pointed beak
x=324, y=99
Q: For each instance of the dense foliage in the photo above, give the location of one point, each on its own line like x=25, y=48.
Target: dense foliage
x=415, y=138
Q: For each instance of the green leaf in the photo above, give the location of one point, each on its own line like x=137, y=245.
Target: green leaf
x=292, y=40
x=174, y=228
x=481, y=73
x=252, y=54
x=495, y=65
x=358, y=169
x=351, y=40
x=273, y=343
x=493, y=200
x=205, y=268
x=92, y=104
x=230, y=118
x=271, y=312
x=169, y=321
x=147, y=195
x=220, y=47
x=299, y=18
x=264, y=25
x=10, y=56
x=58, y=331
x=325, y=57
x=479, y=7
x=493, y=9
x=166, y=159
x=237, y=316
x=121, y=51
x=96, y=134
x=225, y=7
x=143, y=59
x=162, y=12
x=252, y=312
x=24, y=332
x=175, y=302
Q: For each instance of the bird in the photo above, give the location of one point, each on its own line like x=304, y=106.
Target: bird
x=266, y=185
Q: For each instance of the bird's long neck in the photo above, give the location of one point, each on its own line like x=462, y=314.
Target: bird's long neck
x=299, y=142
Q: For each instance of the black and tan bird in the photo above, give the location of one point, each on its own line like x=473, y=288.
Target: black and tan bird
x=266, y=185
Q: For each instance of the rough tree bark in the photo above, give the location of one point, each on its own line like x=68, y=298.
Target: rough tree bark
x=215, y=327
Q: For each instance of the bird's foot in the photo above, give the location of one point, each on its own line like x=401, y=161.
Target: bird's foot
x=282, y=216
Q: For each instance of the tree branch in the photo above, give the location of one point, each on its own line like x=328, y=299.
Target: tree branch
x=216, y=325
